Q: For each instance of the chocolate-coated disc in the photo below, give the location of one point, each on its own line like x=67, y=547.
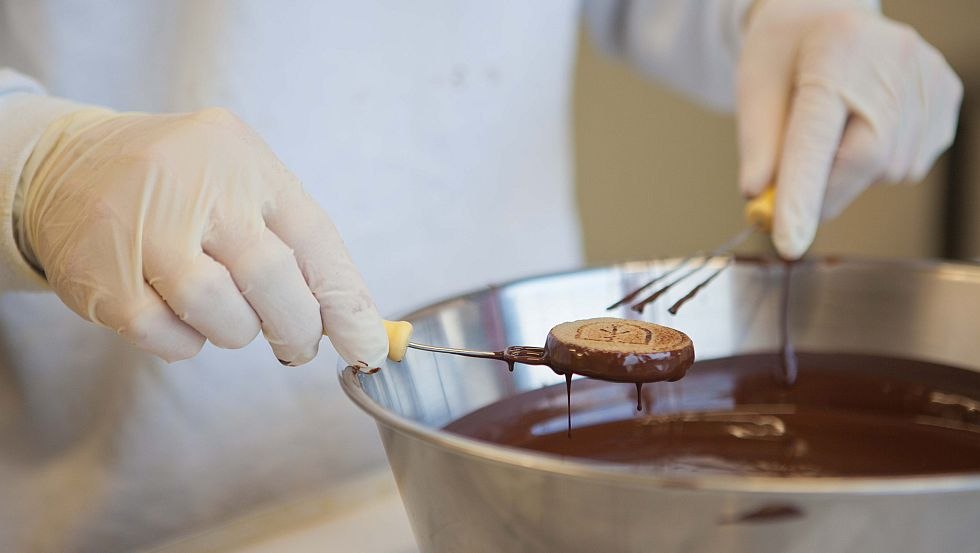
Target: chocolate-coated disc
x=619, y=350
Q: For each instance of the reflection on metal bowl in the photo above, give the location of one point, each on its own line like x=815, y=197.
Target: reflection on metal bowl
x=463, y=494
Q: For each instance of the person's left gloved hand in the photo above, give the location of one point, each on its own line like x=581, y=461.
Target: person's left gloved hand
x=172, y=229
x=833, y=97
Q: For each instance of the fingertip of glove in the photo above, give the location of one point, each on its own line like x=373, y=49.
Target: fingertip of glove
x=789, y=253
x=181, y=353
x=157, y=330
x=380, y=358
x=792, y=243
x=358, y=335
x=297, y=359
x=368, y=360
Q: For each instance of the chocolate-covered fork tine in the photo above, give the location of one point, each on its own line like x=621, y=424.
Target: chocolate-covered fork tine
x=758, y=212
x=725, y=250
x=632, y=295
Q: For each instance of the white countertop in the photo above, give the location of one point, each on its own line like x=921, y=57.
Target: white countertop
x=378, y=527
x=367, y=517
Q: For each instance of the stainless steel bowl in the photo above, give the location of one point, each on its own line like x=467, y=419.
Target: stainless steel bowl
x=466, y=495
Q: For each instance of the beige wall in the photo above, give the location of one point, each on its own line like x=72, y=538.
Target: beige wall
x=657, y=175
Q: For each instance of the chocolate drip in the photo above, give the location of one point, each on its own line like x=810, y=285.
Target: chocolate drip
x=788, y=361
x=568, y=399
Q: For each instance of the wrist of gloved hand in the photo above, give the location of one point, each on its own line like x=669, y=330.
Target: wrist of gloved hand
x=25, y=112
x=173, y=229
x=833, y=97
x=67, y=125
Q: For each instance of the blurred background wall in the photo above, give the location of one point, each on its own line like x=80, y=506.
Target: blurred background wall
x=657, y=175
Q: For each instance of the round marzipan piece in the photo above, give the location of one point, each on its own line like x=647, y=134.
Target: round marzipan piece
x=619, y=350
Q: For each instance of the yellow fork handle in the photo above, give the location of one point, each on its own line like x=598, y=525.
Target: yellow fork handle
x=399, y=333
x=758, y=210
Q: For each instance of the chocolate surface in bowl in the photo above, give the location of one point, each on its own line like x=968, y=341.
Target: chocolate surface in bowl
x=846, y=415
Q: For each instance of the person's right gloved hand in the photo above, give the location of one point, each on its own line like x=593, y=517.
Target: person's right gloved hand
x=170, y=229
x=833, y=97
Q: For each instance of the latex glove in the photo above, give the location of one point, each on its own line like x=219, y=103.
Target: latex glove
x=170, y=229
x=831, y=98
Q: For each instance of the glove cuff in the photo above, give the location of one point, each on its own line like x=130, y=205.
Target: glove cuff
x=25, y=113
x=49, y=144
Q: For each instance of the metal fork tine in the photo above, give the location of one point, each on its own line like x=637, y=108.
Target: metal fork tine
x=735, y=241
x=722, y=250
x=677, y=305
x=639, y=306
x=629, y=297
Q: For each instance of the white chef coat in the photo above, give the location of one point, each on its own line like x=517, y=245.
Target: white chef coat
x=434, y=132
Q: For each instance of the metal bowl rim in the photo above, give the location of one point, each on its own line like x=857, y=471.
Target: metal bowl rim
x=625, y=474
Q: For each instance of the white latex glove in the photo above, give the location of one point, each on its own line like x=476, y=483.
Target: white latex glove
x=833, y=97
x=170, y=229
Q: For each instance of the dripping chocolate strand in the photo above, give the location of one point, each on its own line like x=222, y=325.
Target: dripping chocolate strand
x=788, y=359
x=568, y=399
x=694, y=291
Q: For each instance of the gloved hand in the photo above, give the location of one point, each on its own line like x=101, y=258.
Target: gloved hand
x=831, y=98
x=170, y=229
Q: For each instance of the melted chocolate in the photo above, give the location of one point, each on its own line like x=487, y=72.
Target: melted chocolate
x=846, y=415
